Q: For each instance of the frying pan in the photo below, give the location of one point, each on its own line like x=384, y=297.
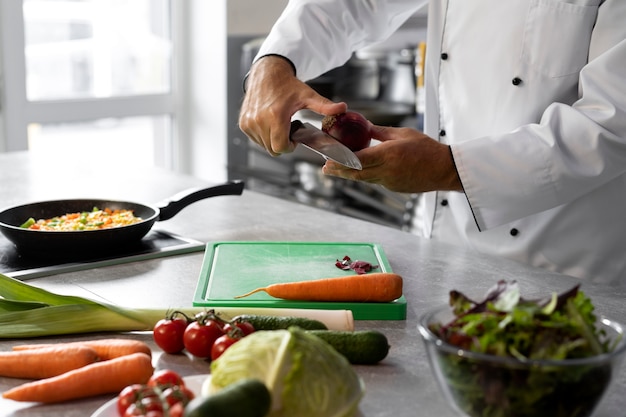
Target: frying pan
x=83, y=241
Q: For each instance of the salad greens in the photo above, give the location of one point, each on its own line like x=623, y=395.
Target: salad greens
x=505, y=324
x=525, y=332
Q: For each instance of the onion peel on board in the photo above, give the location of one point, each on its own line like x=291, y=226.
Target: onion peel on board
x=360, y=267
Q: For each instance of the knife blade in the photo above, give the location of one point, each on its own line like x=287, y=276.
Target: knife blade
x=323, y=144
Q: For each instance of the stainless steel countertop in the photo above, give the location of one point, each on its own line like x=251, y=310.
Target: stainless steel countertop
x=401, y=385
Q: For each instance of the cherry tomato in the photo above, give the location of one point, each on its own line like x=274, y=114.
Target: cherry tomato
x=148, y=407
x=133, y=394
x=222, y=343
x=177, y=394
x=199, y=337
x=133, y=410
x=244, y=326
x=165, y=378
x=127, y=397
x=138, y=412
x=177, y=410
x=168, y=334
x=152, y=404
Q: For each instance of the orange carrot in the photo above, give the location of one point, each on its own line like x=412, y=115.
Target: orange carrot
x=99, y=378
x=374, y=287
x=105, y=348
x=45, y=362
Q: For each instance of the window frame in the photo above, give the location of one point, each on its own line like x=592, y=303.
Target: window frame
x=18, y=112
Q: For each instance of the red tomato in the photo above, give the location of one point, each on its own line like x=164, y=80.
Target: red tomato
x=177, y=395
x=165, y=378
x=152, y=404
x=168, y=334
x=133, y=410
x=222, y=343
x=244, y=326
x=138, y=412
x=199, y=337
x=131, y=395
x=141, y=410
x=177, y=410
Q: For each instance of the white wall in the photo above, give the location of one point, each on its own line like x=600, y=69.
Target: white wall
x=204, y=82
x=202, y=86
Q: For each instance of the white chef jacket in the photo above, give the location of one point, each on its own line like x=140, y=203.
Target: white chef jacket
x=531, y=97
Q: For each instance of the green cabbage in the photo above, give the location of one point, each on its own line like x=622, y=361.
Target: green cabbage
x=306, y=376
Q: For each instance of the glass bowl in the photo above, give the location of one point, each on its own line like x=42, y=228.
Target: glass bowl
x=482, y=385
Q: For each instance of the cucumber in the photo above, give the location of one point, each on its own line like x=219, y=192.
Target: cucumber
x=245, y=398
x=365, y=347
x=279, y=323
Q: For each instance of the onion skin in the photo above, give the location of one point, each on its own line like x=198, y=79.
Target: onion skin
x=350, y=128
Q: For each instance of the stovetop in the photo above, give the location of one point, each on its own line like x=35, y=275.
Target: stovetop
x=156, y=244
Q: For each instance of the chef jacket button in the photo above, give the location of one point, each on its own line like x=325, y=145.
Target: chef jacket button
x=444, y=56
x=442, y=132
x=444, y=202
x=514, y=232
x=516, y=81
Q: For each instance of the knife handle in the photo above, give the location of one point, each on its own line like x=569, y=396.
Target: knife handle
x=295, y=125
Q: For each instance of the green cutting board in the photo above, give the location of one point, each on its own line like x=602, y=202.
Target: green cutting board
x=234, y=268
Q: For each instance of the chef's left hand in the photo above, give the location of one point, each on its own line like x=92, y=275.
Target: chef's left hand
x=406, y=161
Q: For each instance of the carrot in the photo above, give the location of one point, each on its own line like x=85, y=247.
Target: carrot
x=105, y=348
x=96, y=379
x=374, y=287
x=45, y=362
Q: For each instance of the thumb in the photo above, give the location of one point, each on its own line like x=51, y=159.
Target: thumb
x=383, y=133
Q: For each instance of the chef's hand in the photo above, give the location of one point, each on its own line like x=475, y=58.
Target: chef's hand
x=406, y=161
x=273, y=95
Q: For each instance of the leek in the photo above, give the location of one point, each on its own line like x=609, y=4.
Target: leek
x=14, y=305
x=29, y=311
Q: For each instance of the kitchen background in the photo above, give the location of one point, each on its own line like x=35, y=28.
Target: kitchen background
x=159, y=82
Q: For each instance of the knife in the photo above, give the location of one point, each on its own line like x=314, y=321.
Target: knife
x=323, y=144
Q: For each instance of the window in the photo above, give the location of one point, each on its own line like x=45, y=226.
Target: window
x=90, y=77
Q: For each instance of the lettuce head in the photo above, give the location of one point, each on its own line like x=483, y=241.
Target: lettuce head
x=306, y=376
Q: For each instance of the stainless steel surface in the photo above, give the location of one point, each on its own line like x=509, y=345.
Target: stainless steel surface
x=323, y=144
x=379, y=84
x=383, y=75
x=402, y=385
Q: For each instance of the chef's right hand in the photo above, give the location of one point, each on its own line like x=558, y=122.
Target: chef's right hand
x=273, y=95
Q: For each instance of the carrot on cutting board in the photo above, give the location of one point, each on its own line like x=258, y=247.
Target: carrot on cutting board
x=105, y=377
x=105, y=348
x=375, y=287
x=45, y=362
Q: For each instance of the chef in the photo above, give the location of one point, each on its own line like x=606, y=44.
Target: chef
x=523, y=153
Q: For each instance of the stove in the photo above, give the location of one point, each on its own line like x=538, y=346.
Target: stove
x=156, y=244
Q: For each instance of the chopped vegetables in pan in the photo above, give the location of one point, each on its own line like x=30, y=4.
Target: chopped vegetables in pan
x=87, y=220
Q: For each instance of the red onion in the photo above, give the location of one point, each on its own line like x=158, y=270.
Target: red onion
x=359, y=267
x=349, y=128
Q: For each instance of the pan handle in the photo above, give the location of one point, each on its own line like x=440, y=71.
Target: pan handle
x=177, y=202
